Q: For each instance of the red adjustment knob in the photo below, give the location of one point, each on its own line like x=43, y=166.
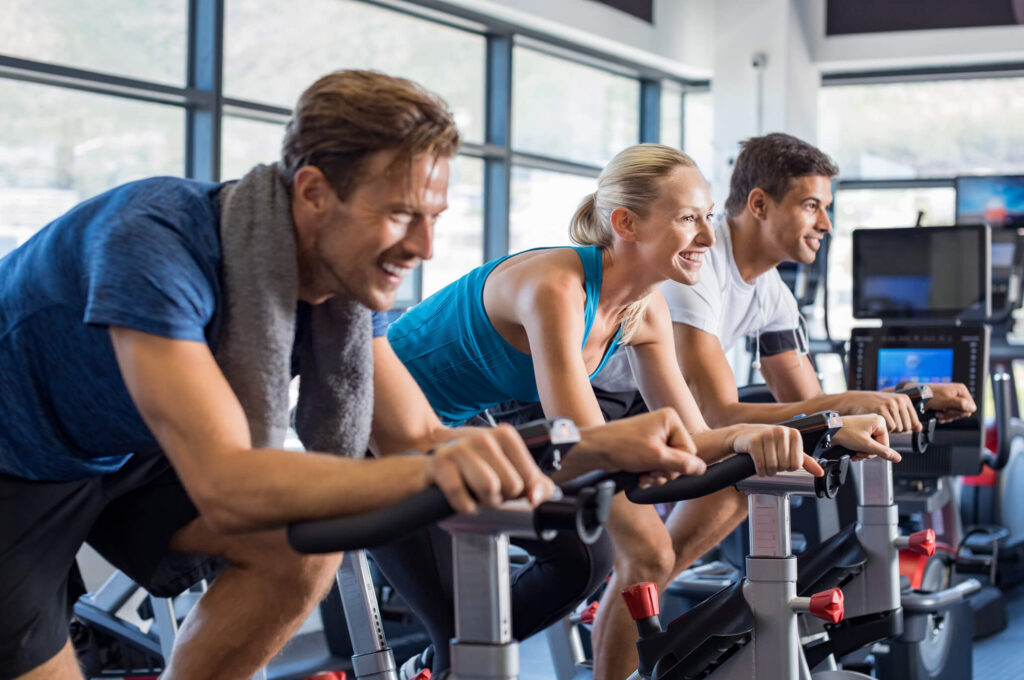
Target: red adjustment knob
x=828, y=605
x=422, y=675
x=642, y=600
x=588, y=614
x=922, y=542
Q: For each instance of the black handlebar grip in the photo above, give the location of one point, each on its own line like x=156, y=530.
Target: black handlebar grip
x=370, y=529
x=717, y=477
x=545, y=439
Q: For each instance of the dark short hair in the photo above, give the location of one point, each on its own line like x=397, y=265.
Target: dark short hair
x=346, y=116
x=771, y=163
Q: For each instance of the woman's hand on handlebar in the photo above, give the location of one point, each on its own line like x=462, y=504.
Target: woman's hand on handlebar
x=486, y=468
x=867, y=436
x=654, y=443
x=774, y=448
x=951, y=401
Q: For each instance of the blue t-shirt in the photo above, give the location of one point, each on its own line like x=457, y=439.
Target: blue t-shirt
x=381, y=321
x=145, y=256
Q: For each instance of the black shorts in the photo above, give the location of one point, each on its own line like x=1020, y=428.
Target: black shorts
x=128, y=517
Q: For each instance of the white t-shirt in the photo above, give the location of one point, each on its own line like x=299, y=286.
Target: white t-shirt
x=721, y=303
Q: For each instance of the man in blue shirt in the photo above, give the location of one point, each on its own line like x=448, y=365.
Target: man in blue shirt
x=128, y=424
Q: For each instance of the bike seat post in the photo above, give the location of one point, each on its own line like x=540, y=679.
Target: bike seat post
x=483, y=648
x=372, y=659
x=878, y=587
x=771, y=573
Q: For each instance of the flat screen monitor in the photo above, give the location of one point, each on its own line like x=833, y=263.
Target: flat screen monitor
x=997, y=201
x=922, y=273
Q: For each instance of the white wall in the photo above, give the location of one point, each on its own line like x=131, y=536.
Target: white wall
x=677, y=41
x=779, y=96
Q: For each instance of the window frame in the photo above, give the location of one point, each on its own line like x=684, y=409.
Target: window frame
x=205, y=104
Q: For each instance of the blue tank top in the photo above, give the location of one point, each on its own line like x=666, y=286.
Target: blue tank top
x=460, y=361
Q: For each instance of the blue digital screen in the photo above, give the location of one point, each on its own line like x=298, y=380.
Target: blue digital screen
x=990, y=200
x=916, y=365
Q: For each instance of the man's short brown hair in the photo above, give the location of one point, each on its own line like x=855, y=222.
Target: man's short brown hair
x=346, y=116
x=771, y=163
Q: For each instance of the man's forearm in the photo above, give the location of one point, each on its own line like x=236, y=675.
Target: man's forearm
x=743, y=412
x=267, y=488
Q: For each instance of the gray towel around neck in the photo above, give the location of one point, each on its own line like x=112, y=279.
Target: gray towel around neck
x=254, y=348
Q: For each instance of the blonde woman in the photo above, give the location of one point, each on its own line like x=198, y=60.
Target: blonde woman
x=539, y=325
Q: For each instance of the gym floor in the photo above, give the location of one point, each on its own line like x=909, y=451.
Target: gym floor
x=1000, y=656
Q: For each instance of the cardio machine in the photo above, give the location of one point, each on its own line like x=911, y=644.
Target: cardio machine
x=931, y=289
x=483, y=647
x=991, y=505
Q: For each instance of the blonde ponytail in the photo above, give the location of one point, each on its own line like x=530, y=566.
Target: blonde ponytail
x=586, y=227
x=631, y=180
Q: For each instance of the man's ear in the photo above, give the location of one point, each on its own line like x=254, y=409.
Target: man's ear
x=757, y=203
x=311, y=201
x=623, y=223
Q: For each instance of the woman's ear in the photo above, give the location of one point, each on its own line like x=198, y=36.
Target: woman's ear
x=623, y=223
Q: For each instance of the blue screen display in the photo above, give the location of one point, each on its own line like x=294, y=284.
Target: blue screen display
x=992, y=200
x=915, y=365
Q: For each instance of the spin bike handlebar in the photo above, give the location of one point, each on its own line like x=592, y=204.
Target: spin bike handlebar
x=729, y=473
x=815, y=430
x=584, y=512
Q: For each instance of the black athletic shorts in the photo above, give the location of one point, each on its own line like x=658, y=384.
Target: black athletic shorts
x=129, y=517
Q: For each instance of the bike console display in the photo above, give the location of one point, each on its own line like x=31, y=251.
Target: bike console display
x=884, y=357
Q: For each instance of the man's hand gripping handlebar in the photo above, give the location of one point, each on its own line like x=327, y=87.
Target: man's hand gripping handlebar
x=583, y=513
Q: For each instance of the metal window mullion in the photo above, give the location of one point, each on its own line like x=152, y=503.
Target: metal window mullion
x=205, y=74
x=498, y=135
x=650, y=111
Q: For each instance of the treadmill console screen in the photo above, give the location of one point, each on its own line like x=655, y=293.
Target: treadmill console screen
x=929, y=365
x=922, y=273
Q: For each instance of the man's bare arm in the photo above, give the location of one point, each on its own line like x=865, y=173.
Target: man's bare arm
x=187, y=403
x=791, y=377
x=710, y=378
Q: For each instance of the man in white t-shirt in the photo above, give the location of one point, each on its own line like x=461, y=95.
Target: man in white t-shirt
x=776, y=212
